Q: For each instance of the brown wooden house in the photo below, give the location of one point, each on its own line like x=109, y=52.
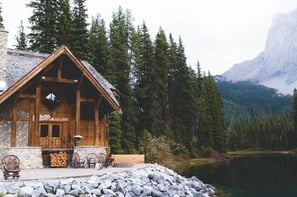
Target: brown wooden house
x=47, y=100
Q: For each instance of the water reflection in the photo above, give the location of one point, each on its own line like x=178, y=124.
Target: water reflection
x=255, y=175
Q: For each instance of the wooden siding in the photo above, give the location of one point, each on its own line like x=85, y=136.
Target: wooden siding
x=75, y=94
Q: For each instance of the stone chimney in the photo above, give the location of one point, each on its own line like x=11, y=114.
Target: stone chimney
x=3, y=59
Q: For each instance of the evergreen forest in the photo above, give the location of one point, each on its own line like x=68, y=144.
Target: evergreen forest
x=259, y=118
x=166, y=103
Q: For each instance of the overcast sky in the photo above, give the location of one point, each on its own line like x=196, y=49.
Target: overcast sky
x=217, y=33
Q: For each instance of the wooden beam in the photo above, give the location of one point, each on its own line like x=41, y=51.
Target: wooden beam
x=59, y=80
x=8, y=118
x=14, y=123
x=36, y=117
x=77, y=112
x=89, y=100
x=60, y=68
x=27, y=96
x=104, y=128
x=107, y=130
x=96, y=118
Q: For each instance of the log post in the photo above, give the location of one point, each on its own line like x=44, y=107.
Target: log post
x=77, y=112
x=96, y=117
x=37, y=112
x=14, y=123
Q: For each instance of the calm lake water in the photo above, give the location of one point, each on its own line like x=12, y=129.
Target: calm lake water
x=267, y=175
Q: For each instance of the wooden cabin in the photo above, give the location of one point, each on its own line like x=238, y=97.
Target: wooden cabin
x=52, y=101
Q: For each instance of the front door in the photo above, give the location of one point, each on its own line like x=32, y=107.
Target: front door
x=50, y=135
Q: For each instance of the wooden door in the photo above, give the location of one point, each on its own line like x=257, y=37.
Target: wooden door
x=50, y=135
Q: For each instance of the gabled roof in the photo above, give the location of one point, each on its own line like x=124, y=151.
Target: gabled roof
x=22, y=66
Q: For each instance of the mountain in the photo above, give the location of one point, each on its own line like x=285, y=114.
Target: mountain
x=242, y=98
x=276, y=66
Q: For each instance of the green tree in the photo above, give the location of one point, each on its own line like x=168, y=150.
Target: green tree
x=99, y=51
x=215, y=109
x=143, y=73
x=182, y=101
x=295, y=110
x=1, y=19
x=159, y=87
x=64, y=27
x=115, y=133
x=120, y=34
x=21, y=38
x=79, y=42
x=43, y=25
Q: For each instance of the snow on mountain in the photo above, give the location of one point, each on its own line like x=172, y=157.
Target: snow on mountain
x=275, y=67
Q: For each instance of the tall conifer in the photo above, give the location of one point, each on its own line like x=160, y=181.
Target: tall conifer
x=21, y=38
x=214, y=122
x=79, y=42
x=144, y=78
x=65, y=26
x=159, y=89
x=120, y=32
x=1, y=18
x=43, y=26
x=181, y=95
x=99, y=51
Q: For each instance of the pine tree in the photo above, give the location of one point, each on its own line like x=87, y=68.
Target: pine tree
x=99, y=51
x=144, y=78
x=1, y=19
x=21, y=38
x=43, y=25
x=214, y=121
x=294, y=133
x=120, y=32
x=203, y=120
x=79, y=42
x=181, y=95
x=64, y=27
x=115, y=133
x=159, y=89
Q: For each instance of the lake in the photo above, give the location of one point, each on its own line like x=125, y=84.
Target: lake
x=263, y=175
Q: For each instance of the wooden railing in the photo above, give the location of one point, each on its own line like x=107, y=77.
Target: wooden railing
x=54, y=143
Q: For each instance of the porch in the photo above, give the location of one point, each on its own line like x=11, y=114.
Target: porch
x=38, y=157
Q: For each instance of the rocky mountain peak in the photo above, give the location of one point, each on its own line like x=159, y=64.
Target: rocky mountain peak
x=275, y=67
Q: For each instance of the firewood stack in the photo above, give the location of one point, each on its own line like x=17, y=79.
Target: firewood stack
x=58, y=160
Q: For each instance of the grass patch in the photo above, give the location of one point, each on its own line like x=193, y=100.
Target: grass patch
x=255, y=152
x=183, y=163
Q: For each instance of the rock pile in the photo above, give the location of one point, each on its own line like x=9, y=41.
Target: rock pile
x=154, y=180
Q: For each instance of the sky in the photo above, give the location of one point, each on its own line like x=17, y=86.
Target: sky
x=217, y=33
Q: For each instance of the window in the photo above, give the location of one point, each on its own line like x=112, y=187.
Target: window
x=50, y=130
x=56, y=131
x=44, y=131
x=51, y=101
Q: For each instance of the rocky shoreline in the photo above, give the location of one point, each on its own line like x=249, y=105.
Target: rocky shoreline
x=154, y=180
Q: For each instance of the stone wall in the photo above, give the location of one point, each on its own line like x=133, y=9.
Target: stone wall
x=83, y=151
x=22, y=127
x=22, y=133
x=5, y=131
x=30, y=157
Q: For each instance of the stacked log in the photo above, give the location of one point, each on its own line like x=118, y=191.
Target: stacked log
x=58, y=160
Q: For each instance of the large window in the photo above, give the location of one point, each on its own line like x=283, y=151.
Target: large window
x=44, y=130
x=56, y=131
x=50, y=130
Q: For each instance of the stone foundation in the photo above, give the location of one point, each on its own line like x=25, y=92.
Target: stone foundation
x=83, y=151
x=30, y=157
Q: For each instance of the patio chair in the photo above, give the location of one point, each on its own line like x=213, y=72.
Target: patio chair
x=101, y=160
x=76, y=161
x=11, y=166
x=92, y=159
